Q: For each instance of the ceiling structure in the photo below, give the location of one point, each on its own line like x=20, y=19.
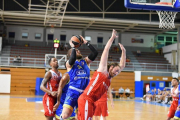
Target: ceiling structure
x=101, y=15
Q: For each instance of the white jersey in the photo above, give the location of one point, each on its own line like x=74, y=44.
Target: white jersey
x=174, y=93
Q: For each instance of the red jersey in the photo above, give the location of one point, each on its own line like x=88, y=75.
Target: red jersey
x=98, y=85
x=103, y=98
x=53, y=84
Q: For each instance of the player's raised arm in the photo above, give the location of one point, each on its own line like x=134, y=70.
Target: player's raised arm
x=94, y=53
x=71, y=56
x=104, y=56
x=122, y=62
x=111, y=97
x=47, y=77
x=63, y=82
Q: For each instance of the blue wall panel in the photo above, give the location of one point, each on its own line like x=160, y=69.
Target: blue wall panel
x=139, y=88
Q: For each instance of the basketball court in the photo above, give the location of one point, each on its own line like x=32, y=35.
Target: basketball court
x=30, y=108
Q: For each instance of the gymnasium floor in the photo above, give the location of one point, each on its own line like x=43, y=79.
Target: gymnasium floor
x=30, y=108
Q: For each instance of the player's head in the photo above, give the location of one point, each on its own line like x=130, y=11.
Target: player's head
x=175, y=82
x=78, y=54
x=154, y=89
x=113, y=69
x=53, y=63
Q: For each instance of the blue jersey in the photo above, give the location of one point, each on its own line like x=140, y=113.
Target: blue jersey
x=60, y=108
x=79, y=75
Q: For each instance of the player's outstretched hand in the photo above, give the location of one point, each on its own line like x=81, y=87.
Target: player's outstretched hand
x=71, y=44
x=54, y=93
x=55, y=107
x=114, y=34
x=122, y=47
x=84, y=41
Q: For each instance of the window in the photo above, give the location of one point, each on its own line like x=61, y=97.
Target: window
x=168, y=43
x=153, y=85
x=24, y=35
x=50, y=37
x=63, y=37
x=175, y=38
x=100, y=40
x=11, y=34
x=37, y=36
x=169, y=39
x=160, y=38
x=88, y=38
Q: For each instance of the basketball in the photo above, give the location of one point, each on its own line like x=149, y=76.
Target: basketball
x=77, y=41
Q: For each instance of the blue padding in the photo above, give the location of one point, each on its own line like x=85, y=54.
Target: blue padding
x=177, y=4
x=38, y=91
x=128, y=4
x=138, y=88
x=34, y=99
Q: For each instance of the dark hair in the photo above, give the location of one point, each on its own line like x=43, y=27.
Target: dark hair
x=112, y=64
x=49, y=61
x=176, y=79
x=69, y=53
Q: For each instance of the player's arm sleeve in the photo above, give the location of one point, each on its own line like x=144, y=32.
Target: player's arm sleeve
x=47, y=77
x=94, y=53
x=72, y=58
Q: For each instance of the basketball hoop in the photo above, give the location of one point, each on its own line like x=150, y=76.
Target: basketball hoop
x=166, y=19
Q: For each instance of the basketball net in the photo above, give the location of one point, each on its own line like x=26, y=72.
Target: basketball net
x=166, y=19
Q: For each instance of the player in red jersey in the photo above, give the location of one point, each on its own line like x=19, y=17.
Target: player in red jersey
x=100, y=81
x=175, y=96
x=102, y=107
x=51, y=80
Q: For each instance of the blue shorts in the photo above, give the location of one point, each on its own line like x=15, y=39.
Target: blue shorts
x=59, y=111
x=177, y=115
x=71, y=99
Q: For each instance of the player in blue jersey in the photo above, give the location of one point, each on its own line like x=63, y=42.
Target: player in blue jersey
x=79, y=73
x=65, y=83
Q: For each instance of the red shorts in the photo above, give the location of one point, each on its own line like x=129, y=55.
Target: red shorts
x=172, y=109
x=85, y=109
x=101, y=108
x=48, y=103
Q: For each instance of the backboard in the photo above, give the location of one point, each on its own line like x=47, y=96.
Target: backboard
x=165, y=5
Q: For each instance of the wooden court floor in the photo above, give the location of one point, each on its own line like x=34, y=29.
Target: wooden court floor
x=17, y=108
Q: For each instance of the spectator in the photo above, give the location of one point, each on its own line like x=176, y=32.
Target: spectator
x=127, y=92
x=62, y=47
x=121, y=92
x=154, y=94
x=113, y=92
x=110, y=58
x=148, y=94
x=163, y=96
x=160, y=51
x=15, y=59
x=158, y=95
x=128, y=61
x=66, y=46
x=19, y=59
x=138, y=53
